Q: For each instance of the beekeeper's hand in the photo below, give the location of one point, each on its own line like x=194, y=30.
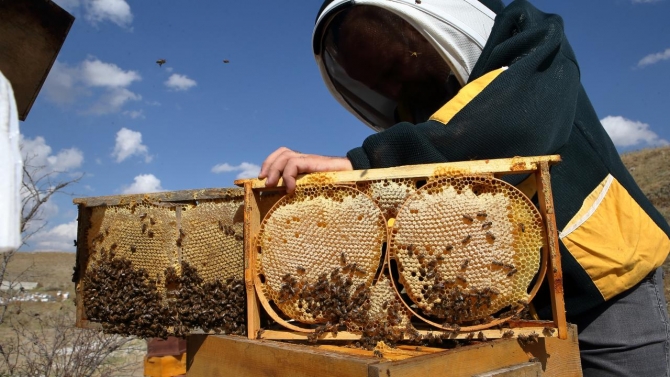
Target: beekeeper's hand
x=287, y=164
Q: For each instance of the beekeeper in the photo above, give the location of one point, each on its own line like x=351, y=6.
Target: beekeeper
x=455, y=80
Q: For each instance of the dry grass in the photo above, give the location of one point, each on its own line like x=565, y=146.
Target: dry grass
x=53, y=270
x=649, y=167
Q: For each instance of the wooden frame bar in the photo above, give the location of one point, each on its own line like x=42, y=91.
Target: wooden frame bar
x=537, y=166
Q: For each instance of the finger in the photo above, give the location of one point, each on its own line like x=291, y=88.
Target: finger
x=293, y=168
x=270, y=160
x=275, y=170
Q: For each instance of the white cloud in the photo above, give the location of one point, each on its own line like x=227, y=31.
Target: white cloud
x=113, y=100
x=57, y=238
x=98, y=73
x=180, y=82
x=92, y=77
x=61, y=86
x=144, y=183
x=116, y=11
x=134, y=114
x=625, y=132
x=654, y=58
x=246, y=169
x=96, y=11
x=129, y=143
x=38, y=154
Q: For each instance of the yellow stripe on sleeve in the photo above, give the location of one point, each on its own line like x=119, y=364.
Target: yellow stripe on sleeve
x=464, y=96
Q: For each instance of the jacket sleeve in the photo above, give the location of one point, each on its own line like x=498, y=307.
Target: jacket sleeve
x=526, y=110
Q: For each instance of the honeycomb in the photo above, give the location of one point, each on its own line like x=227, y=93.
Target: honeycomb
x=466, y=248
x=143, y=233
x=212, y=238
x=388, y=194
x=181, y=263
x=319, y=230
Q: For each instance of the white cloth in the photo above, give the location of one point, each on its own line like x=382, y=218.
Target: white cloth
x=11, y=170
x=457, y=29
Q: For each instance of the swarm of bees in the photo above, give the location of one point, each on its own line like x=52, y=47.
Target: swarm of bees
x=126, y=301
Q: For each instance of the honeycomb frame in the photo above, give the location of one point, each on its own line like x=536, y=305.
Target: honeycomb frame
x=408, y=179
x=171, y=252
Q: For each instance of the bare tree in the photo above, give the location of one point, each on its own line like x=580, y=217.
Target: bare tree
x=49, y=346
x=38, y=186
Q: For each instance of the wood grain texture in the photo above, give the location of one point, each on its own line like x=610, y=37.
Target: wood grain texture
x=516, y=165
x=252, y=221
x=555, y=272
x=213, y=356
x=162, y=197
x=558, y=358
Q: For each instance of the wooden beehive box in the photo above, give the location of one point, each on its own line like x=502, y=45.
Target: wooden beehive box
x=31, y=35
x=161, y=264
x=400, y=254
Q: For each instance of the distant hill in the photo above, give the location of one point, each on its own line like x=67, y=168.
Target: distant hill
x=650, y=168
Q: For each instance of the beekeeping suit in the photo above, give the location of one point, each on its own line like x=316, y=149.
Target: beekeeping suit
x=11, y=170
x=511, y=87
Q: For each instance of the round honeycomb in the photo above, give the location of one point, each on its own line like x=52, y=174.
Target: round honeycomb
x=467, y=247
x=318, y=230
x=385, y=307
x=388, y=194
x=143, y=233
x=212, y=238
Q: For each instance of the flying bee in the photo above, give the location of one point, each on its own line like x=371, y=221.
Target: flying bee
x=160, y=62
x=487, y=225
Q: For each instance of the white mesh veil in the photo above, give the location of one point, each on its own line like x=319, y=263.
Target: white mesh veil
x=457, y=29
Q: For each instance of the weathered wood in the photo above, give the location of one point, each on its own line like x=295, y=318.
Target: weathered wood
x=217, y=355
x=252, y=221
x=522, y=370
x=346, y=335
x=162, y=197
x=555, y=272
x=32, y=33
x=211, y=356
x=516, y=165
x=557, y=357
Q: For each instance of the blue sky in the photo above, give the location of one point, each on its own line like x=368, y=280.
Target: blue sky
x=109, y=111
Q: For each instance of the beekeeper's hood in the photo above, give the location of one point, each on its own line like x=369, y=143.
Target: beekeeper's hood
x=456, y=29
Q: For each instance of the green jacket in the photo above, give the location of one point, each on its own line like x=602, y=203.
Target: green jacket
x=612, y=236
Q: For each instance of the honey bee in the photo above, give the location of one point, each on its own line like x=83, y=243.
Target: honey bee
x=522, y=227
x=144, y=228
x=465, y=263
x=481, y=336
x=511, y=273
x=468, y=218
x=548, y=331
x=490, y=236
x=466, y=239
x=508, y=334
x=410, y=250
x=150, y=234
x=487, y=225
x=343, y=258
x=449, y=248
x=152, y=221
x=160, y=62
x=481, y=215
x=133, y=248
x=300, y=270
x=143, y=216
x=498, y=263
